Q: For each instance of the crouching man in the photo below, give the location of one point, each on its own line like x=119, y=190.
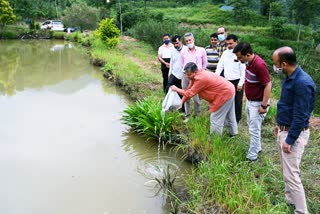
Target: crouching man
x=217, y=91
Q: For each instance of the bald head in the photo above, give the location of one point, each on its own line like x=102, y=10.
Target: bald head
x=285, y=54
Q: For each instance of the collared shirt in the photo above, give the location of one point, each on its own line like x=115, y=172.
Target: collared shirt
x=221, y=48
x=175, y=63
x=257, y=77
x=213, y=57
x=233, y=68
x=197, y=56
x=165, y=51
x=296, y=103
x=211, y=87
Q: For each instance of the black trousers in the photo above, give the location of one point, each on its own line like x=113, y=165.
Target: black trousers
x=173, y=80
x=237, y=100
x=165, y=74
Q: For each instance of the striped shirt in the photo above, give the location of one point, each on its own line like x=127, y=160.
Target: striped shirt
x=213, y=58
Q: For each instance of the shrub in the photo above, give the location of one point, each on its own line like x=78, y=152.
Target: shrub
x=145, y=118
x=8, y=35
x=108, y=33
x=58, y=35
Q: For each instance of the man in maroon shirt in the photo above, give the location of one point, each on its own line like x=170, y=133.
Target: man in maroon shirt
x=257, y=89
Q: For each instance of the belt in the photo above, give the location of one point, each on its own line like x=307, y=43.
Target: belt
x=255, y=100
x=286, y=128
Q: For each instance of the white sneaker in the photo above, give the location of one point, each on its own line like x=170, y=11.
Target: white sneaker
x=186, y=120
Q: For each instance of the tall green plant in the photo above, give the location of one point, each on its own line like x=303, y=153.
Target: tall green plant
x=6, y=13
x=108, y=33
x=144, y=117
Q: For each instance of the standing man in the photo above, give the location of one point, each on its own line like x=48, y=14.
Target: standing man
x=217, y=91
x=164, y=55
x=234, y=71
x=222, y=35
x=212, y=53
x=257, y=89
x=198, y=56
x=176, y=69
x=293, y=112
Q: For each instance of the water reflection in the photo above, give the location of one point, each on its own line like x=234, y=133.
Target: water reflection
x=150, y=166
x=63, y=148
x=24, y=63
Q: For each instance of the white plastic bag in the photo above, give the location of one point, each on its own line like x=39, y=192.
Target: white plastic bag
x=172, y=101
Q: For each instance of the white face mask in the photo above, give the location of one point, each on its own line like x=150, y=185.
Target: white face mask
x=221, y=37
x=277, y=70
x=191, y=45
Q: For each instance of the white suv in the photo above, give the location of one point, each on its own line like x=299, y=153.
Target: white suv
x=52, y=25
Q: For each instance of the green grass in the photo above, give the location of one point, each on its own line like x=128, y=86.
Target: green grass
x=224, y=181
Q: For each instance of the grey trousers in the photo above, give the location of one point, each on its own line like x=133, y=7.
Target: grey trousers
x=224, y=116
x=290, y=163
x=196, y=99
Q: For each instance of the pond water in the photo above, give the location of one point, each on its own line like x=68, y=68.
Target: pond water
x=63, y=148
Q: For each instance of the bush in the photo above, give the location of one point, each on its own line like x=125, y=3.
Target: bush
x=277, y=28
x=108, y=33
x=8, y=35
x=58, y=35
x=145, y=118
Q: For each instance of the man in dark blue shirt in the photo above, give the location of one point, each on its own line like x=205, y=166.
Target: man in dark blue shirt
x=293, y=112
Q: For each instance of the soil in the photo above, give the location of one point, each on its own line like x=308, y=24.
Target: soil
x=315, y=122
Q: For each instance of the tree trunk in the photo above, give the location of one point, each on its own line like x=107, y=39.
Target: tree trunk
x=299, y=31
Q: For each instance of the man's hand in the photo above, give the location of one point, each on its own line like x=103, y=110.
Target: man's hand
x=168, y=65
x=174, y=88
x=239, y=88
x=262, y=110
x=286, y=148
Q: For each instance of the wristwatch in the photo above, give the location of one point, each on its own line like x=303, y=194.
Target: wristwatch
x=265, y=107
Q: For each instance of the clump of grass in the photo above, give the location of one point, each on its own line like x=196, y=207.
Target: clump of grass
x=166, y=181
x=234, y=185
x=144, y=117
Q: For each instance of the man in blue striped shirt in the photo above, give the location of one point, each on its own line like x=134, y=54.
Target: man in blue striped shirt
x=293, y=112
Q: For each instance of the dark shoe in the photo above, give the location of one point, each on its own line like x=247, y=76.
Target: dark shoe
x=254, y=160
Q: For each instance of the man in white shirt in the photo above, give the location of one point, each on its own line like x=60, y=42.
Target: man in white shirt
x=164, y=55
x=234, y=71
x=176, y=69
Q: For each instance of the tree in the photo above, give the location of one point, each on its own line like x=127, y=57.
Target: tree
x=81, y=15
x=6, y=13
x=241, y=11
x=304, y=12
x=108, y=33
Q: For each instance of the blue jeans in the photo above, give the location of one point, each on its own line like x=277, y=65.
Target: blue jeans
x=254, y=121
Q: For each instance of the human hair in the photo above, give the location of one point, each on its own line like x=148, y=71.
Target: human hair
x=174, y=39
x=288, y=57
x=244, y=48
x=225, y=29
x=189, y=34
x=190, y=67
x=233, y=37
x=214, y=35
x=165, y=34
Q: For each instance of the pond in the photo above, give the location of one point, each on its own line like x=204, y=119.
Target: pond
x=63, y=148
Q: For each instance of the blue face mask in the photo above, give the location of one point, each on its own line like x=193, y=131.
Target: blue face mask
x=167, y=41
x=221, y=37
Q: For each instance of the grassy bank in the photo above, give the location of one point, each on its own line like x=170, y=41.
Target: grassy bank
x=224, y=181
